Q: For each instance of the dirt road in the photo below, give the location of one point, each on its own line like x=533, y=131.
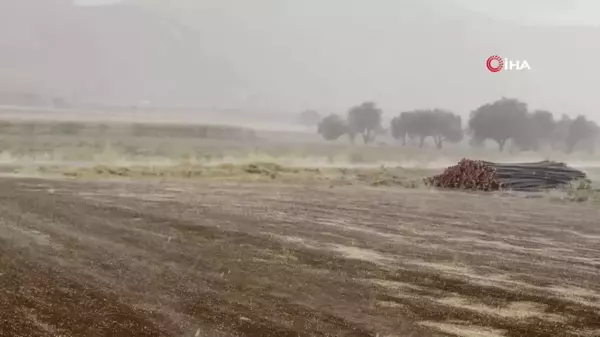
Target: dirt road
x=213, y=259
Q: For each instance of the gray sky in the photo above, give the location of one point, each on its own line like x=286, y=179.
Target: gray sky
x=555, y=12
x=287, y=55
x=402, y=53
x=96, y=2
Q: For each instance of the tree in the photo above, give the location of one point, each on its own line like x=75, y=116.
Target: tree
x=402, y=126
x=351, y=134
x=560, y=132
x=499, y=121
x=398, y=128
x=439, y=124
x=365, y=119
x=543, y=125
x=447, y=127
x=309, y=118
x=527, y=138
x=332, y=127
x=425, y=124
x=535, y=130
x=594, y=130
x=581, y=130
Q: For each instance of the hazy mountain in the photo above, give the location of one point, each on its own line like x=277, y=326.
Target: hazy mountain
x=119, y=54
x=287, y=55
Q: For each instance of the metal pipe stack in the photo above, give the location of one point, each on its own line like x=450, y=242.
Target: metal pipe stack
x=487, y=176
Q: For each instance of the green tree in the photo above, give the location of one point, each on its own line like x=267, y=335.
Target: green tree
x=309, y=118
x=543, y=125
x=441, y=125
x=580, y=130
x=499, y=121
x=560, y=133
x=365, y=120
x=332, y=127
x=400, y=126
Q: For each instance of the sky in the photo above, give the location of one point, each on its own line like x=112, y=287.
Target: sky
x=554, y=12
x=332, y=50
x=288, y=55
x=96, y=2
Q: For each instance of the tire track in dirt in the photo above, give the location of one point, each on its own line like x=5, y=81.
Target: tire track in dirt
x=286, y=260
x=63, y=211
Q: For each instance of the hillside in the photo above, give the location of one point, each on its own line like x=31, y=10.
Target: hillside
x=119, y=54
x=286, y=55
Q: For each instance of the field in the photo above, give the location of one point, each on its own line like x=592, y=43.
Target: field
x=243, y=243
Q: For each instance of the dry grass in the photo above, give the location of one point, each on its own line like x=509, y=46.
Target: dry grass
x=262, y=171
x=164, y=151
x=122, y=143
x=581, y=192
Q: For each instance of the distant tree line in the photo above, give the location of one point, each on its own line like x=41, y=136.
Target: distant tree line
x=22, y=98
x=364, y=121
x=440, y=125
x=505, y=121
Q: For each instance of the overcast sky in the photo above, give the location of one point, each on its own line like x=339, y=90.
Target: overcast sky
x=95, y=2
x=566, y=12
x=402, y=53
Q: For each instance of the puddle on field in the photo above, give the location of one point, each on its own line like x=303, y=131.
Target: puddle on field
x=361, y=254
x=577, y=295
x=346, y=227
x=466, y=330
x=497, y=244
x=349, y=252
x=445, y=267
x=139, y=196
x=396, y=286
x=388, y=304
x=514, y=310
x=307, y=243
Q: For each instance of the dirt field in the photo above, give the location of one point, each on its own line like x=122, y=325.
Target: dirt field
x=117, y=258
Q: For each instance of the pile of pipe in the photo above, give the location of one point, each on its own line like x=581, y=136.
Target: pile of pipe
x=487, y=176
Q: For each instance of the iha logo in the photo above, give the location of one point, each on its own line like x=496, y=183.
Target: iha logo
x=495, y=63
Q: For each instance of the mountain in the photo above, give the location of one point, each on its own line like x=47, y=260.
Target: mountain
x=288, y=55
x=120, y=54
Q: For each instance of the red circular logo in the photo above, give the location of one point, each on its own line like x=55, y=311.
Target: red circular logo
x=490, y=63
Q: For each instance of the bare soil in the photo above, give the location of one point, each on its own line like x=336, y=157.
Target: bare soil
x=82, y=258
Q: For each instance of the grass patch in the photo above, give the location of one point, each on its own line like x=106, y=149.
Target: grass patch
x=99, y=129
x=583, y=191
x=580, y=191
x=263, y=171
